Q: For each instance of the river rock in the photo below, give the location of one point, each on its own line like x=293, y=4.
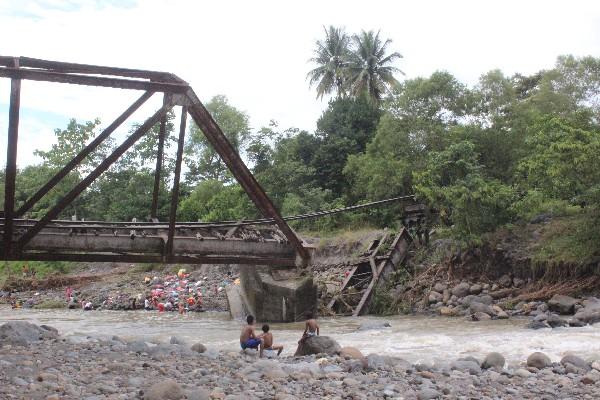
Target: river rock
x=176, y=340
x=538, y=360
x=351, y=353
x=505, y=281
x=555, y=321
x=198, y=348
x=461, y=290
x=588, y=316
x=21, y=333
x=447, y=311
x=576, y=361
x=435, y=297
x=428, y=393
x=499, y=312
x=480, y=316
x=477, y=307
x=562, y=304
x=198, y=394
x=440, y=287
x=475, y=289
x=523, y=373
x=446, y=296
x=591, y=378
x=166, y=389
x=317, y=345
x=493, y=360
x=466, y=365
x=376, y=361
x=369, y=325
x=518, y=282
x=537, y=325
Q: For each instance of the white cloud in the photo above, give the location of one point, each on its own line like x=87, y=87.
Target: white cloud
x=256, y=52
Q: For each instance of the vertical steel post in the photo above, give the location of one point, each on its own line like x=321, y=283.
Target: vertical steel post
x=11, y=161
x=175, y=194
x=159, y=163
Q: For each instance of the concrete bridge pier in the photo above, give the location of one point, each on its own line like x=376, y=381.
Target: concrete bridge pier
x=273, y=294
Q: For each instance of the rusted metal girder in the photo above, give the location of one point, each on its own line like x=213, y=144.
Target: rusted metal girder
x=81, y=186
x=179, y=93
x=219, y=141
x=159, y=163
x=11, y=161
x=175, y=193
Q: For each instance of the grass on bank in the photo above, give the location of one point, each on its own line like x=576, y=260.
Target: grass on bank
x=570, y=240
x=42, y=269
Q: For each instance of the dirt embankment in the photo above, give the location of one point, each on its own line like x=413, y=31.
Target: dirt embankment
x=114, y=285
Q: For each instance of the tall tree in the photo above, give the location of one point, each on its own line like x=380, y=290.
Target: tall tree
x=371, y=69
x=201, y=158
x=331, y=56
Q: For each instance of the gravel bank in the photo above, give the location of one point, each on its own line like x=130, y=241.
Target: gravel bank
x=110, y=368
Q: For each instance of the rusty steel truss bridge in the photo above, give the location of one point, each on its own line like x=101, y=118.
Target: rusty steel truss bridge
x=267, y=241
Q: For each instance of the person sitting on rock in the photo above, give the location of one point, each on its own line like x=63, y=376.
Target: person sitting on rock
x=311, y=328
x=248, y=339
x=267, y=338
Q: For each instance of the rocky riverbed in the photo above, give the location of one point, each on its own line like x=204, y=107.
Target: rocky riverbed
x=37, y=362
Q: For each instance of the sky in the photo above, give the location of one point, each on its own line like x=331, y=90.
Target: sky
x=256, y=52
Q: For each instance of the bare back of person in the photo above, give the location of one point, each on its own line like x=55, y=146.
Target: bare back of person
x=246, y=334
x=312, y=328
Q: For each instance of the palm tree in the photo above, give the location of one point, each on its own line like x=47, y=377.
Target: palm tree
x=331, y=57
x=370, y=70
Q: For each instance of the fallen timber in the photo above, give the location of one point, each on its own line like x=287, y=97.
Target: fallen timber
x=370, y=273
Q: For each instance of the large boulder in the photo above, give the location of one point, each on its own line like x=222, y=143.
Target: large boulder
x=576, y=361
x=505, y=281
x=587, y=316
x=480, y=316
x=21, y=333
x=317, y=345
x=466, y=365
x=475, y=289
x=493, y=360
x=538, y=360
x=166, y=389
x=562, y=304
x=476, y=307
x=351, y=353
x=461, y=290
x=435, y=297
x=198, y=348
x=555, y=321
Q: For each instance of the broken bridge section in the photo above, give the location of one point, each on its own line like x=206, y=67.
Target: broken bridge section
x=47, y=238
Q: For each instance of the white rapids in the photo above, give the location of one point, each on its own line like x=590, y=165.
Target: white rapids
x=414, y=338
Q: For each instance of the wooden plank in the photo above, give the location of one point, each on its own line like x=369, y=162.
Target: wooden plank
x=344, y=284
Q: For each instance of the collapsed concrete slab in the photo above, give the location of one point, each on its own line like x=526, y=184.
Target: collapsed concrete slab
x=278, y=295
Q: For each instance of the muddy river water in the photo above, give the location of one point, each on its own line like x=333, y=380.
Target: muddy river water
x=414, y=338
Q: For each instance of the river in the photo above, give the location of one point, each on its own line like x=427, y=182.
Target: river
x=414, y=338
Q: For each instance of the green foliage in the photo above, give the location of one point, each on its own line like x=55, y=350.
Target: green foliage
x=563, y=159
x=453, y=183
x=358, y=65
x=214, y=201
x=201, y=158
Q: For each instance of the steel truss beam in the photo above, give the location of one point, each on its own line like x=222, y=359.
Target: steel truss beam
x=21, y=245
